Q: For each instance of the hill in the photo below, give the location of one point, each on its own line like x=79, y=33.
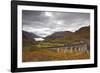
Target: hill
x=28, y=39
x=83, y=34
x=59, y=35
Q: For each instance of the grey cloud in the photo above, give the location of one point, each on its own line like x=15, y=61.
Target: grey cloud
x=41, y=24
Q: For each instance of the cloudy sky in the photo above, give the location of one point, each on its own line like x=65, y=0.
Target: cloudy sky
x=43, y=23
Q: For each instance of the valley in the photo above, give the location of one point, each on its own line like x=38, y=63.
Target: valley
x=64, y=45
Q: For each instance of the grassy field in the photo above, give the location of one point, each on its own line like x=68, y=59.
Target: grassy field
x=42, y=51
x=48, y=55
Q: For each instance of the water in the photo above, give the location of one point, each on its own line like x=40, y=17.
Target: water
x=38, y=39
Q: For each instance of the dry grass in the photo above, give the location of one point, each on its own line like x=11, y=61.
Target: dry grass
x=48, y=55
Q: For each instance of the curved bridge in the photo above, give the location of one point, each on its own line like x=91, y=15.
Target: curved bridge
x=72, y=48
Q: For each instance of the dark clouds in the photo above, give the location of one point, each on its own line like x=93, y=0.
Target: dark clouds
x=45, y=23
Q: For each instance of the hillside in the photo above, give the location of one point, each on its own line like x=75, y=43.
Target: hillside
x=59, y=35
x=65, y=36
x=28, y=35
x=28, y=39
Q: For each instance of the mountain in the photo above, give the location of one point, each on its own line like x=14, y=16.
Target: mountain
x=85, y=30
x=28, y=38
x=59, y=35
x=29, y=35
x=83, y=34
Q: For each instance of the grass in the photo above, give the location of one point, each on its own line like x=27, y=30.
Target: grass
x=49, y=55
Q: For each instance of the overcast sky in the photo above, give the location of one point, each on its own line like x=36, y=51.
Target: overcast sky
x=43, y=23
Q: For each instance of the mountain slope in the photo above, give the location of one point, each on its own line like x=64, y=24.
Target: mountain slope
x=83, y=34
x=29, y=35
x=28, y=38
x=59, y=35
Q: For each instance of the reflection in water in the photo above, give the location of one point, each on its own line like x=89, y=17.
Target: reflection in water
x=38, y=39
